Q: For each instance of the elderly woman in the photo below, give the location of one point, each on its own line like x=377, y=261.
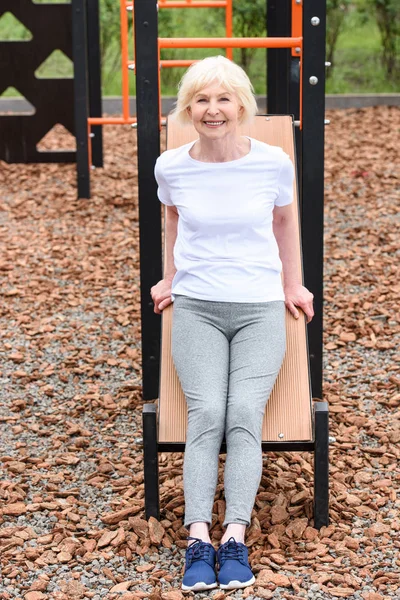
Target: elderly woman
x=230, y=232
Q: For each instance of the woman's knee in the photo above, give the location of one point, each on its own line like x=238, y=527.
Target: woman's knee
x=207, y=415
x=244, y=423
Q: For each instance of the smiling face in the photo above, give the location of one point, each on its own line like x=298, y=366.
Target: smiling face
x=215, y=112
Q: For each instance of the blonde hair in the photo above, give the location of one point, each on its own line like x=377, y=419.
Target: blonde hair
x=219, y=70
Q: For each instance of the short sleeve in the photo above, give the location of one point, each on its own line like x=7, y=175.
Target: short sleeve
x=163, y=191
x=285, y=182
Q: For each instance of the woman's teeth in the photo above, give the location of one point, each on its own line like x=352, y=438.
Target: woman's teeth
x=214, y=123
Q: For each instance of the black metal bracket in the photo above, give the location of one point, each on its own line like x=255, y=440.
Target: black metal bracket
x=81, y=92
x=150, y=457
x=321, y=464
x=94, y=71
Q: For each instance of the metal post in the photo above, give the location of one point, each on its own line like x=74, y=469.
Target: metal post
x=321, y=464
x=313, y=108
x=278, y=60
x=150, y=460
x=94, y=67
x=148, y=144
x=81, y=95
x=294, y=109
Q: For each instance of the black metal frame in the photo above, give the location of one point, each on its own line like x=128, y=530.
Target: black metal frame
x=81, y=93
x=319, y=446
x=87, y=88
x=73, y=29
x=309, y=153
x=283, y=71
x=52, y=98
x=148, y=135
x=312, y=169
x=94, y=68
x=278, y=60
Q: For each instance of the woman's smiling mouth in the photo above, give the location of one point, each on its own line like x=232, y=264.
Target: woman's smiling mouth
x=213, y=123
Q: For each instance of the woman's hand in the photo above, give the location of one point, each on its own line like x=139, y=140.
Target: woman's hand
x=161, y=294
x=298, y=295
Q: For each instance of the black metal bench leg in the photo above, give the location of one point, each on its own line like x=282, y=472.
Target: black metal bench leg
x=150, y=451
x=321, y=465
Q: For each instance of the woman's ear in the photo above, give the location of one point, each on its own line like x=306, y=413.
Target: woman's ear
x=189, y=112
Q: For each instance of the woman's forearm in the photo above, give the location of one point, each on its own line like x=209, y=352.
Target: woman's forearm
x=171, y=230
x=286, y=235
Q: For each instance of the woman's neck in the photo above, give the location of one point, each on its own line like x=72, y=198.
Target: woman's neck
x=220, y=150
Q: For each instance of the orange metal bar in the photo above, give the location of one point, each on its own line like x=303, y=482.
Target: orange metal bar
x=194, y=4
x=297, y=23
x=277, y=42
x=124, y=58
x=229, y=27
x=111, y=121
x=173, y=62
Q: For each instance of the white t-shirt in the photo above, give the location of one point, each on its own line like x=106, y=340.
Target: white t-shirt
x=225, y=248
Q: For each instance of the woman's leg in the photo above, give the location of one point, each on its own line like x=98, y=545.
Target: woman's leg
x=201, y=355
x=256, y=353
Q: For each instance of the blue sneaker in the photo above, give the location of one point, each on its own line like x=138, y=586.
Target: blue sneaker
x=234, y=568
x=200, y=567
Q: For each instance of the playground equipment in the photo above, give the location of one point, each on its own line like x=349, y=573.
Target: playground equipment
x=298, y=89
x=52, y=99
x=53, y=27
x=84, y=157
x=296, y=76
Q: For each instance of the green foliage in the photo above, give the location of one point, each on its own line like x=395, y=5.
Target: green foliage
x=202, y=22
x=363, y=40
x=387, y=14
x=336, y=11
x=110, y=27
x=249, y=20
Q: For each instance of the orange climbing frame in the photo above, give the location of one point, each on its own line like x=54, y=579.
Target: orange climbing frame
x=295, y=43
x=128, y=5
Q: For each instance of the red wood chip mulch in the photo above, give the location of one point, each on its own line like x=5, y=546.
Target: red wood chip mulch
x=71, y=491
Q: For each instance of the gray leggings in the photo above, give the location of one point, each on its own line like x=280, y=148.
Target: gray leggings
x=227, y=356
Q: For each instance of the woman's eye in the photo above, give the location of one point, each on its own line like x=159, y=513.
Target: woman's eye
x=225, y=99
x=201, y=100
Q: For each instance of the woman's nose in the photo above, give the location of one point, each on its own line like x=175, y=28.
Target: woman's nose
x=213, y=108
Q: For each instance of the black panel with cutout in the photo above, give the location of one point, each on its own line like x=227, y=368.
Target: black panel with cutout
x=52, y=98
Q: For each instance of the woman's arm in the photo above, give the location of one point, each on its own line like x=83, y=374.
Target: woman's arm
x=171, y=230
x=161, y=292
x=285, y=231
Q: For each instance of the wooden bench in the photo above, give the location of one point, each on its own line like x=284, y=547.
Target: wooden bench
x=292, y=421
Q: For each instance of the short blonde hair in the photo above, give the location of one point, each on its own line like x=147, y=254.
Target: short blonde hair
x=219, y=70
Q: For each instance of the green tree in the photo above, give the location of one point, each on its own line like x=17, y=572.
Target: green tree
x=387, y=14
x=110, y=27
x=336, y=11
x=249, y=20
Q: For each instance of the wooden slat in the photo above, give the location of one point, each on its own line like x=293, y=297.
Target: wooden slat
x=288, y=412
